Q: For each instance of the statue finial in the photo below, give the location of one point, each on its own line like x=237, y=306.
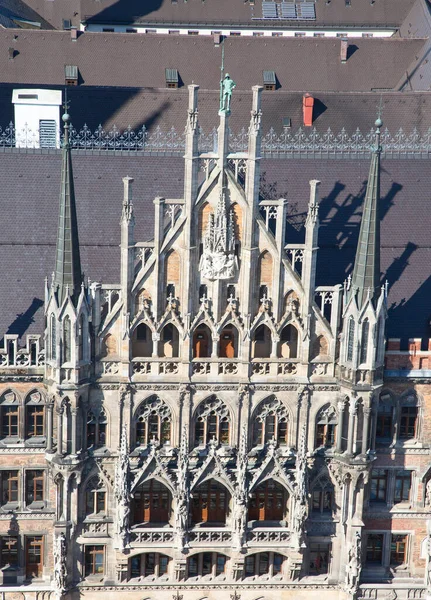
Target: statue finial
x=227, y=86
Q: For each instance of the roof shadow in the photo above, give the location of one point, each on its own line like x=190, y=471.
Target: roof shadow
x=23, y=320
x=125, y=11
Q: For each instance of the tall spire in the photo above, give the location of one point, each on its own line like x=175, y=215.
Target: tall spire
x=68, y=274
x=366, y=272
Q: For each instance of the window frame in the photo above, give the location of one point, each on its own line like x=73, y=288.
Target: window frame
x=91, y=551
x=30, y=477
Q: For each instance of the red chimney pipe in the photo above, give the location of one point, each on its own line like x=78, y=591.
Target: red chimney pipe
x=307, y=109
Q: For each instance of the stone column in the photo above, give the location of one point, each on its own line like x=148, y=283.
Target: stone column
x=185, y=402
x=341, y=405
x=49, y=425
x=352, y=414
x=60, y=413
x=365, y=430
x=125, y=410
x=74, y=413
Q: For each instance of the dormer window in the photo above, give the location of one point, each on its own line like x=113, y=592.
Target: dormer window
x=269, y=81
x=172, y=79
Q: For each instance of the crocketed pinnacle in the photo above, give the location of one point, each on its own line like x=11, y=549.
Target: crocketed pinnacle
x=366, y=272
x=67, y=274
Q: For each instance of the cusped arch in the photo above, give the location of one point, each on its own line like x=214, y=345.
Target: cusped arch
x=285, y=483
x=212, y=419
x=152, y=419
x=272, y=416
x=159, y=477
x=11, y=396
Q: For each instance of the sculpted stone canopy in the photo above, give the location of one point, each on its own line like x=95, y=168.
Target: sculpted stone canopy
x=218, y=260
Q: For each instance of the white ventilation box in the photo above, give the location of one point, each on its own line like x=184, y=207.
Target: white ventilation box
x=37, y=118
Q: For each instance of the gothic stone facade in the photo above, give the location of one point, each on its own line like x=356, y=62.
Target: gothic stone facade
x=215, y=425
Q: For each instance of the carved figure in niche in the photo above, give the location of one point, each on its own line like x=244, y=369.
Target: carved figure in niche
x=122, y=491
x=218, y=260
x=60, y=568
x=227, y=86
x=428, y=571
x=239, y=519
x=354, y=563
x=109, y=345
x=301, y=491
x=428, y=493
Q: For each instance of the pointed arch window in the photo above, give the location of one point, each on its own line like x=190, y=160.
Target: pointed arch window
x=212, y=422
x=53, y=338
x=67, y=338
x=364, y=341
x=81, y=349
x=350, y=339
x=326, y=428
x=96, y=429
x=95, y=497
x=271, y=423
x=34, y=415
x=153, y=422
x=322, y=497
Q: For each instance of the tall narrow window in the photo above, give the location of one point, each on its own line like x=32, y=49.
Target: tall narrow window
x=67, y=331
x=409, y=415
x=403, y=484
x=34, y=487
x=34, y=556
x=10, y=421
x=53, y=340
x=350, y=339
x=94, y=560
x=398, y=550
x=374, y=552
x=364, y=341
x=10, y=487
x=8, y=551
x=379, y=480
x=35, y=417
x=81, y=338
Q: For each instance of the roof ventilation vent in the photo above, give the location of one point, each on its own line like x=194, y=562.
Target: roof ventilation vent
x=343, y=51
x=11, y=53
x=307, y=109
x=67, y=24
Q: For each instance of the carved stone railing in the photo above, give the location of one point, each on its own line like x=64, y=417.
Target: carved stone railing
x=381, y=591
x=214, y=536
x=29, y=357
x=322, y=369
x=228, y=366
x=95, y=528
x=142, y=367
x=215, y=367
x=295, y=253
x=147, y=537
x=110, y=368
x=268, y=536
x=153, y=367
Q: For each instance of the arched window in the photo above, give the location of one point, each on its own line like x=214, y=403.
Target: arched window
x=289, y=342
x=212, y=422
x=264, y=563
x=152, y=503
x=210, y=503
x=169, y=342
x=270, y=422
x=350, y=339
x=53, y=338
x=202, y=342
x=10, y=413
x=150, y=564
x=67, y=340
x=261, y=345
x=364, y=340
x=206, y=564
x=142, y=341
x=326, y=427
x=409, y=417
x=95, y=497
x=228, y=347
x=322, y=497
x=153, y=422
x=268, y=502
x=96, y=429
x=34, y=415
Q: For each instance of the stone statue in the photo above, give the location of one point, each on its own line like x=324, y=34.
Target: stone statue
x=428, y=571
x=301, y=491
x=239, y=522
x=218, y=260
x=182, y=495
x=60, y=568
x=227, y=86
x=122, y=491
x=428, y=493
x=354, y=564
